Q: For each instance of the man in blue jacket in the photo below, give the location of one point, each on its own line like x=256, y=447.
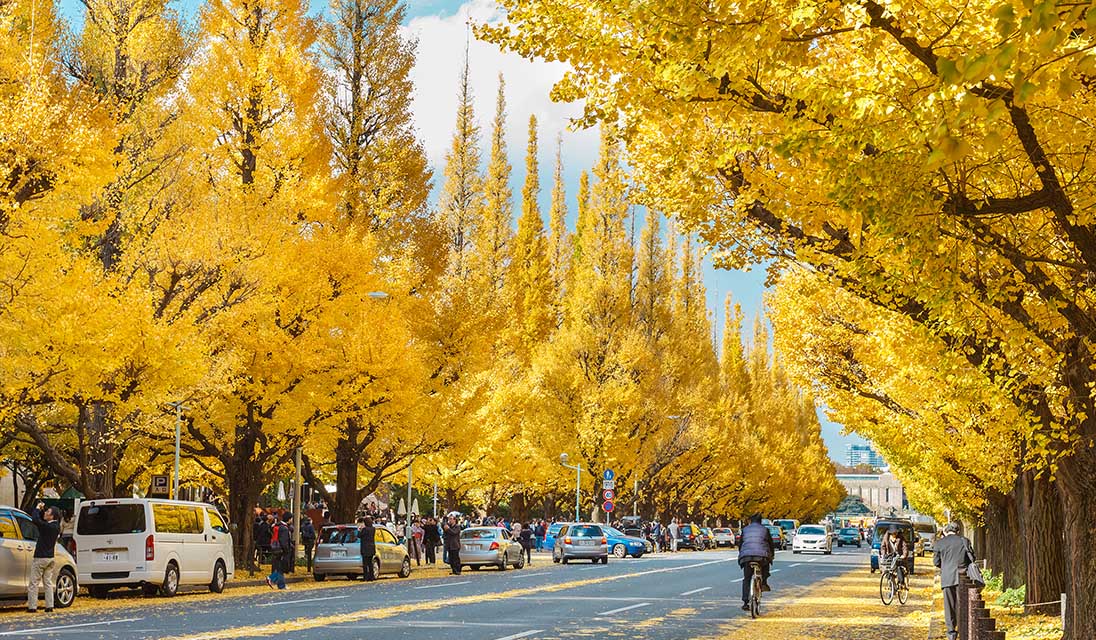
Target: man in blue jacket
x=757, y=546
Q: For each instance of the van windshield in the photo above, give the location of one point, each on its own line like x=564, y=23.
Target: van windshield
x=111, y=519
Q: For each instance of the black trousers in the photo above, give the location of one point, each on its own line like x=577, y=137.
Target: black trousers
x=368, y=567
x=308, y=546
x=454, y=561
x=529, y=554
x=951, y=611
x=748, y=573
x=431, y=553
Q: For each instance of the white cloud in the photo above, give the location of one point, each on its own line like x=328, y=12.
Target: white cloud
x=437, y=74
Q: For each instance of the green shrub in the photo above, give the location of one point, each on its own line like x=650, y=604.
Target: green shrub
x=995, y=582
x=1012, y=597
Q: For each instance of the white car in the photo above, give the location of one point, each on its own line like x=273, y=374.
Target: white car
x=157, y=545
x=812, y=537
x=723, y=537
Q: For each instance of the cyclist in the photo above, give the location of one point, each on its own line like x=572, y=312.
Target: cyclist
x=895, y=549
x=757, y=546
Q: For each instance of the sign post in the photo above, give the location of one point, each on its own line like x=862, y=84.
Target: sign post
x=608, y=489
x=161, y=486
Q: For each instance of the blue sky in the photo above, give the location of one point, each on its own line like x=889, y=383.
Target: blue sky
x=440, y=28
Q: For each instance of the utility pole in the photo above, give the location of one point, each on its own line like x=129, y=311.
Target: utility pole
x=435, y=498
x=635, y=498
x=179, y=409
x=578, y=482
x=407, y=523
x=296, y=506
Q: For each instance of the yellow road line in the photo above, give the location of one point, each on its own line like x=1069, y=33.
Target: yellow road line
x=302, y=624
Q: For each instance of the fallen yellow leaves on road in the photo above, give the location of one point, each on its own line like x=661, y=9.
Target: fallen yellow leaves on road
x=845, y=607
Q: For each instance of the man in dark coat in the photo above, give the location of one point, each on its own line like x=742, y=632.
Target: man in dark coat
x=262, y=531
x=367, y=544
x=43, y=565
x=431, y=539
x=308, y=539
x=757, y=546
x=452, y=544
x=952, y=554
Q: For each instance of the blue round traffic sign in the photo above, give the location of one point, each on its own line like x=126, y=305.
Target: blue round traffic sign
x=608, y=475
x=608, y=506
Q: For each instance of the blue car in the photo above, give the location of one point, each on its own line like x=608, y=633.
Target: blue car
x=622, y=544
x=550, y=535
x=905, y=529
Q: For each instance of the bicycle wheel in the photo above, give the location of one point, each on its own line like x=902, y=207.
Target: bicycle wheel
x=755, y=598
x=886, y=588
x=903, y=591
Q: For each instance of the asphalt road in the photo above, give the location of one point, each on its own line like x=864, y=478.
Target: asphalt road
x=669, y=596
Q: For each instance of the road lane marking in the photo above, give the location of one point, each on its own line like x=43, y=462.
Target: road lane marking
x=798, y=564
x=378, y=613
x=628, y=608
x=523, y=634
x=775, y=571
x=689, y=593
x=278, y=603
x=815, y=559
x=29, y=632
x=530, y=575
x=444, y=584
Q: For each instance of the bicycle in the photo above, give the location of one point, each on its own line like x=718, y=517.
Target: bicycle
x=755, y=590
x=893, y=582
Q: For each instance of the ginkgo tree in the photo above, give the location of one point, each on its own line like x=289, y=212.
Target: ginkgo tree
x=931, y=158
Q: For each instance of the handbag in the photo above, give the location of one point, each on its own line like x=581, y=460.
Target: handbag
x=974, y=574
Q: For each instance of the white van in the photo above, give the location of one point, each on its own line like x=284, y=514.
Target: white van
x=154, y=544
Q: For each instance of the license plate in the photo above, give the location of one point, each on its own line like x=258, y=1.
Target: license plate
x=110, y=557
x=338, y=553
x=586, y=543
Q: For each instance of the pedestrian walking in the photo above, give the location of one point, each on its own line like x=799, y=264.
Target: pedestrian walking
x=43, y=565
x=367, y=545
x=308, y=539
x=951, y=554
x=431, y=539
x=416, y=542
x=673, y=534
x=526, y=538
x=281, y=547
x=656, y=533
x=540, y=531
x=451, y=532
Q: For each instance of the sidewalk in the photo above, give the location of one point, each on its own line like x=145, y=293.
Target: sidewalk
x=845, y=607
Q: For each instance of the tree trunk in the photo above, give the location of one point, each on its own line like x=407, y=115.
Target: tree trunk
x=1040, y=511
x=244, y=489
x=1077, y=489
x=1004, y=543
x=517, y=507
x=347, y=497
x=101, y=450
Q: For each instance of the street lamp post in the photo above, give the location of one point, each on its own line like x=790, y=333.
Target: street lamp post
x=179, y=409
x=578, y=482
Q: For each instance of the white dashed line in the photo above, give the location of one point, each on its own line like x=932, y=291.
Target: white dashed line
x=689, y=593
x=622, y=609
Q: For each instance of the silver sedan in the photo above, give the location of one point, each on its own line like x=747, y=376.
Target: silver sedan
x=339, y=553
x=490, y=546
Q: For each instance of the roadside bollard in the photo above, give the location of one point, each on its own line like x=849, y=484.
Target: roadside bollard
x=962, y=606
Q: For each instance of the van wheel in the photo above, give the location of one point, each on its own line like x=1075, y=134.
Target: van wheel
x=405, y=568
x=171, y=581
x=98, y=591
x=65, y=592
x=220, y=577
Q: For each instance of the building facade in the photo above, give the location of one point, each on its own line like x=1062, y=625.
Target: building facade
x=858, y=454
x=882, y=493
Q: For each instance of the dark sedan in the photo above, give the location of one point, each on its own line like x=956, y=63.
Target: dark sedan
x=848, y=536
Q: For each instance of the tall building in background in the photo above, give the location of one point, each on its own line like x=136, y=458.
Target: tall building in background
x=858, y=454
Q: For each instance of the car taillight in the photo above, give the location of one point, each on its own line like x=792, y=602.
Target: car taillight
x=150, y=548
x=604, y=541
x=494, y=546
x=691, y=536
x=566, y=541
x=71, y=546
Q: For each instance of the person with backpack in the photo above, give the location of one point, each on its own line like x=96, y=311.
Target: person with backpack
x=308, y=539
x=281, y=548
x=367, y=545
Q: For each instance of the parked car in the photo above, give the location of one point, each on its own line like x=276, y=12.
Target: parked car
x=780, y=542
x=157, y=545
x=848, y=536
x=709, y=537
x=551, y=533
x=812, y=537
x=905, y=529
x=622, y=545
x=723, y=537
x=927, y=535
x=789, y=526
x=582, y=540
x=338, y=552
x=690, y=537
x=18, y=535
x=490, y=547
